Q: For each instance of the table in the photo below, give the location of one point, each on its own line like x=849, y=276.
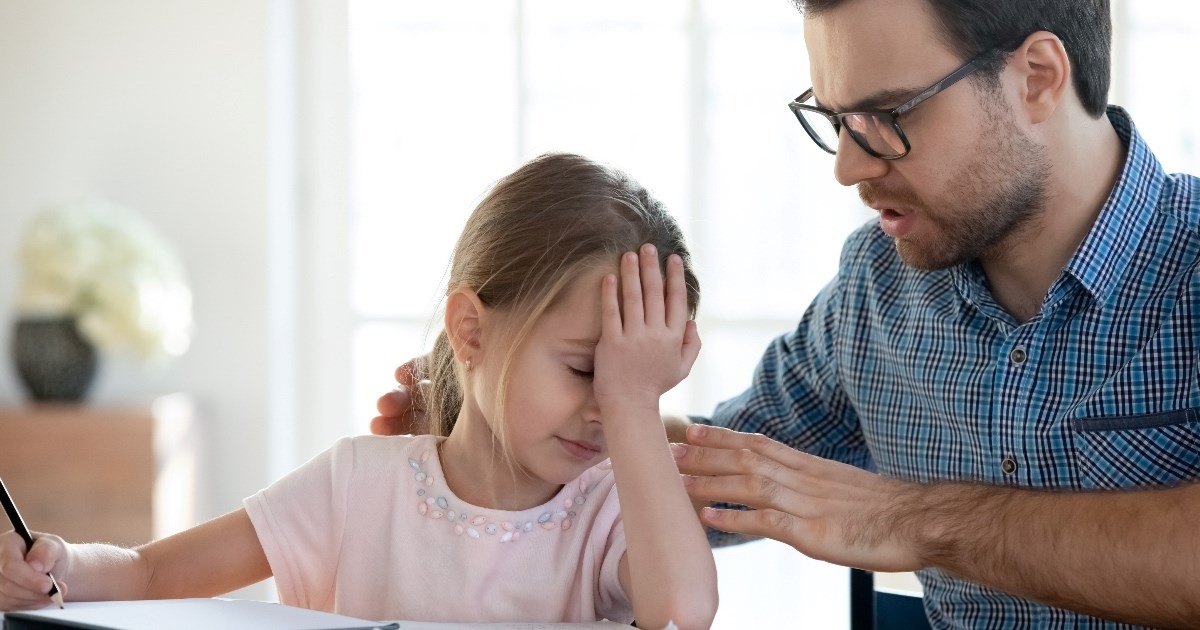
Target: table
x=90, y=473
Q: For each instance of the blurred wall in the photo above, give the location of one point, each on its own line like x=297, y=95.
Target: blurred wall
x=161, y=107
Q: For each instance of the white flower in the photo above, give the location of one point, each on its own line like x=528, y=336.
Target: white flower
x=107, y=267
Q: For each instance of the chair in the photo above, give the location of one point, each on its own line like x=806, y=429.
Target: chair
x=873, y=609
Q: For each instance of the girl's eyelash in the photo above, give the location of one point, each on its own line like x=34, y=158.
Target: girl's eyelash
x=579, y=373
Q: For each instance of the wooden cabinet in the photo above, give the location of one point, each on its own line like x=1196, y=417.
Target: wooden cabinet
x=92, y=473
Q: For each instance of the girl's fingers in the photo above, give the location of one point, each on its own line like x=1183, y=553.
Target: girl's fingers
x=17, y=597
x=610, y=308
x=631, y=290
x=676, y=292
x=691, y=347
x=652, y=285
x=21, y=585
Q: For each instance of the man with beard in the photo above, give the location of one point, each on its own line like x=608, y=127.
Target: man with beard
x=1000, y=388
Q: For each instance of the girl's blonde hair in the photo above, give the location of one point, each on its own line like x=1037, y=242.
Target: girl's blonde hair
x=537, y=230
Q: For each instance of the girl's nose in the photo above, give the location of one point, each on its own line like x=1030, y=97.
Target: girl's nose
x=591, y=409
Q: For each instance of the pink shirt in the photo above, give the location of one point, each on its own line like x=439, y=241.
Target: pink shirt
x=369, y=529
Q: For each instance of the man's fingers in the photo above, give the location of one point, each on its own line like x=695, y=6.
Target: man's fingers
x=396, y=402
x=383, y=425
x=411, y=372
x=828, y=510
x=739, y=476
x=722, y=438
x=748, y=467
x=760, y=523
x=814, y=538
x=756, y=491
x=702, y=461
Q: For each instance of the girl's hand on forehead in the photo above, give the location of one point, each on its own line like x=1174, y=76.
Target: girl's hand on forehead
x=647, y=343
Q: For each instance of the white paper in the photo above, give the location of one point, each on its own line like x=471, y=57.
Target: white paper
x=226, y=614
x=429, y=625
x=196, y=614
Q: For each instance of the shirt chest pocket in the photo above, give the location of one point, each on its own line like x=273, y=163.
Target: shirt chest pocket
x=1158, y=449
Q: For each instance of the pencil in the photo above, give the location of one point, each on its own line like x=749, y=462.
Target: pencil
x=18, y=524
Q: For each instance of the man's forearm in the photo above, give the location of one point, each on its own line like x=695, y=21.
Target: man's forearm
x=1131, y=556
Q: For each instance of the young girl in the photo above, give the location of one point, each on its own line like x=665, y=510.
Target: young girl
x=558, y=343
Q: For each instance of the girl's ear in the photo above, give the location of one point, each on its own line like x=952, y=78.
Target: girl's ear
x=465, y=316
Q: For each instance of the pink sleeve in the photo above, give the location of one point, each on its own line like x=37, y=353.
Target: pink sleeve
x=612, y=602
x=299, y=521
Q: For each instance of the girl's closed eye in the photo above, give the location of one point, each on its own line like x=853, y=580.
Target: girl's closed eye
x=584, y=374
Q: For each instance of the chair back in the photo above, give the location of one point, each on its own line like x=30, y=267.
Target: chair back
x=873, y=609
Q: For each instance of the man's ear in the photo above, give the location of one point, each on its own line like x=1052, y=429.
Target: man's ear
x=1044, y=72
x=465, y=316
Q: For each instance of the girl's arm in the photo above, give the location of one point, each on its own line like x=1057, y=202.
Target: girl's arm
x=210, y=559
x=647, y=345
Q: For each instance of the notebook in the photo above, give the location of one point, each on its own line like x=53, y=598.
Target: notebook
x=185, y=614
x=234, y=614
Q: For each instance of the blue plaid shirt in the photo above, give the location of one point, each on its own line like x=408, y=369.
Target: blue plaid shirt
x=921, y=375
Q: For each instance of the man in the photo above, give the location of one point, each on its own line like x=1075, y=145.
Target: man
x=1012, y=347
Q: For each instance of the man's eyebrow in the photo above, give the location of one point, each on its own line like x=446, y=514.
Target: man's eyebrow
x=585, y=344
x=882, y=100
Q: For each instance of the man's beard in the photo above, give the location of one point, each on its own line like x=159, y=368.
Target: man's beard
x=989, y=201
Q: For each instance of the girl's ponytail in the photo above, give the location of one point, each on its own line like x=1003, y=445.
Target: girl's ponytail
x=444, y=397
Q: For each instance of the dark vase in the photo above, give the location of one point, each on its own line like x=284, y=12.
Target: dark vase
x=54, y=361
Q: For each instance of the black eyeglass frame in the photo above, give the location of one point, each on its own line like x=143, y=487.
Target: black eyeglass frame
x=836, y=118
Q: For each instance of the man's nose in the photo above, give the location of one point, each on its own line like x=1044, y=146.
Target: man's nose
x=853, y=164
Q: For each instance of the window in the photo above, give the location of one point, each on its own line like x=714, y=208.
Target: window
x=1154, y=42
x=448, y=99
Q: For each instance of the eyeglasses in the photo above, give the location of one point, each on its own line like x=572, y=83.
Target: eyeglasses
x=878, y=132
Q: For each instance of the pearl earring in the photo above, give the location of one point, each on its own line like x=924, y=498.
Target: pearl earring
x=468, y=365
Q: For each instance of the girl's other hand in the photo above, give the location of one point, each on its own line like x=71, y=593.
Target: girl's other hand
x=647, y=343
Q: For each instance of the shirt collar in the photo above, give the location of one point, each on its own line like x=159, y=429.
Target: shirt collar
x=1113, y=240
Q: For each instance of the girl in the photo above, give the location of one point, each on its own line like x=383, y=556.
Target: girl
x=558, y=343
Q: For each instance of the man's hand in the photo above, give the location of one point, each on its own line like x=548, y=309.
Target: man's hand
x=402, y=410
x=825, y=509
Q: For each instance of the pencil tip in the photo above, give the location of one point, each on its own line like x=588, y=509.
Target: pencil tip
x=55, y=592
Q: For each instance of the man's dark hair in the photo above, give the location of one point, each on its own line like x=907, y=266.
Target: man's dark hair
x=974, y=26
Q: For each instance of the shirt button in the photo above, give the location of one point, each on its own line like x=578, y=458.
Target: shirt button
x=1018, y=355
x=1008, y=466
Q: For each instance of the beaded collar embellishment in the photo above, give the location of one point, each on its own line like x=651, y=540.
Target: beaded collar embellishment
x=477, y=526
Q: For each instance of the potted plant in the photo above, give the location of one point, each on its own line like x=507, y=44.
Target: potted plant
x=96, y=278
